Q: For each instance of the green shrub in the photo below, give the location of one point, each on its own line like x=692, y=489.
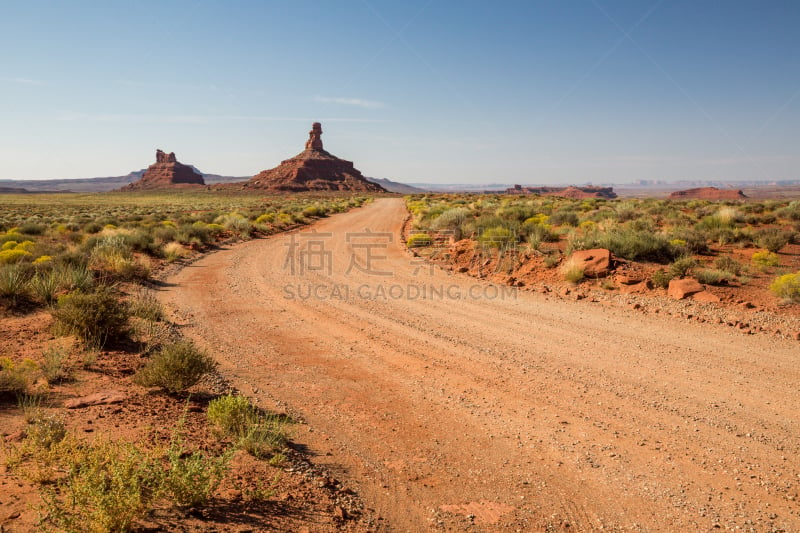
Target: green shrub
x=765, y=259
x=13, y=255
x=552, y=260
x=94, y=317
x=257, y=433
x=773, y=239
x=787, y=287
x=175, y=367
x=74, y=277
x=682, y=267
x=712, y=276
x=416, y=240
x=628, y=243
x=726, y=262
x=191, y=479
x=145, y=305
x=564, y=218
x=13, y=282
x=497, y=237
x=236, y=223
x=263, y=436
x=231, y=414
x=44, y=287
x=107, y=486
x=55, y=364
x=572, y=270
x=112, y=256
x=16, y=378
x=661, y=278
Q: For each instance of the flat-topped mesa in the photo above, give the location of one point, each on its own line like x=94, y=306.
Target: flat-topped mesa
x=313, y=169
x=708, y=193
x=166, y=173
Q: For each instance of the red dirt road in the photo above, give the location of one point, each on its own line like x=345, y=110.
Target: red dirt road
x=474, y=408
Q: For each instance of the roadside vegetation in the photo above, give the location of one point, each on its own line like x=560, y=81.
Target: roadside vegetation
x=87, y=263
x=717, y=243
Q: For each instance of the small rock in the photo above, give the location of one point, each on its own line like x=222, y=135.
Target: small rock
x=705, y=297
x=683, y=288
x=98, y=398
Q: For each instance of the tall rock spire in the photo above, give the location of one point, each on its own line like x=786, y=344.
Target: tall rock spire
x=314, y=141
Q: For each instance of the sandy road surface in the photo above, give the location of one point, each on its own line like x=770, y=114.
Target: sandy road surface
x=472, y=409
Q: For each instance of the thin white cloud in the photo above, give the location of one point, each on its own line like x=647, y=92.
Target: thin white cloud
x=23, y=81
x=71, y=116
x=357, y=102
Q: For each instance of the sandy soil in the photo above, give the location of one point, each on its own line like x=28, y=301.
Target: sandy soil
x=475, y=408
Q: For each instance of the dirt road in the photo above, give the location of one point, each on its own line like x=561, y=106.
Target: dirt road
x=454, y=404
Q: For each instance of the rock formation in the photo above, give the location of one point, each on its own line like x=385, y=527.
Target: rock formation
x=166, y=173
x=708, y=193
x=313, y=169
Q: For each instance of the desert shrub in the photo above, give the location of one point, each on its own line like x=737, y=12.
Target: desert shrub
x=191, y=478
x=231, y=414
x=682, y=267
x=552, y=261
x=112, y=256
x=107, y=487
x=713, y=276
x=236, y=223
x=94, y=317
x=765, y=258
x=55, y=364
x=163, y=234
x=787, y=287
x=175, y=367
x=497, y=237
x=661, y=278
x=564, y=218
x=572, y=271
x=173, y=251
x=44, y=287
x=726, y=262
x=74, y=277
x=416, y=240
x=266, y=218
x=791, y=211
x=13, y=255
x=693, y=240
x=16, y=378
x=624, y=242
x=452, y=220
x=145, y=305
x=539, y=232
x=773, y=239
x=32, y=228
x=13, y=282
x=257, y=433
x=263, y=436
x=45, y=431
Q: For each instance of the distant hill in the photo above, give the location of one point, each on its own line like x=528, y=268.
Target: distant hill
x=97, y=184
x=393, y=186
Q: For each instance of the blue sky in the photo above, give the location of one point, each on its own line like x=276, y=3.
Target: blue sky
x=535, y=91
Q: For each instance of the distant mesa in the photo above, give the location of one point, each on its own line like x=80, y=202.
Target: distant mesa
x=577, y=193
x=313, y=169
x=708, y=193
x=166, y=173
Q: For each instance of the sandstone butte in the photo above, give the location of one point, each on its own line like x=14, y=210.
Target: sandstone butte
x=708, y=193
x=166, y=173
x=313, y=169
